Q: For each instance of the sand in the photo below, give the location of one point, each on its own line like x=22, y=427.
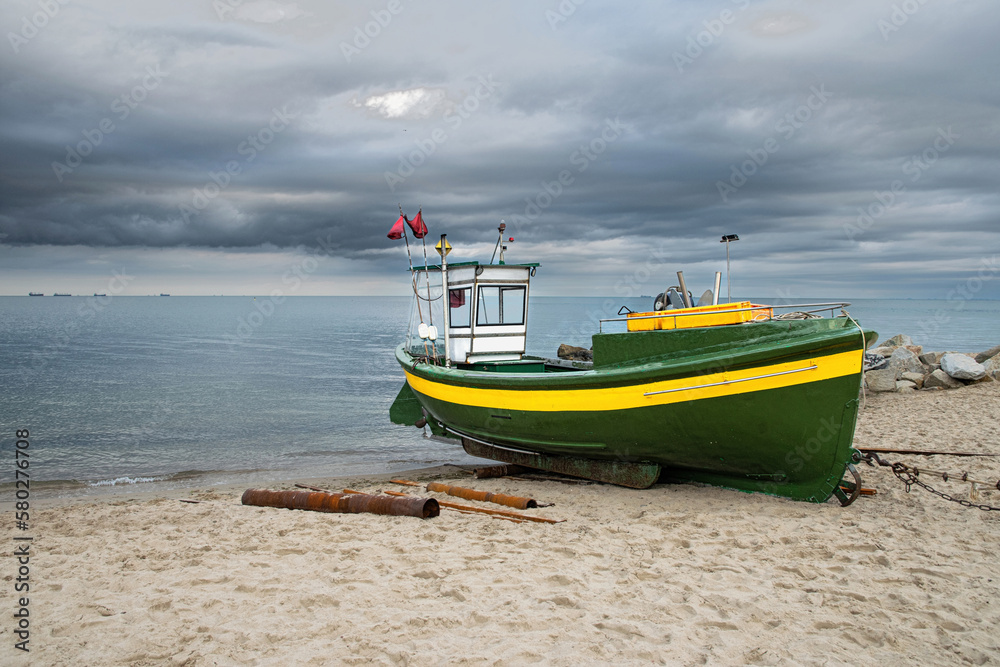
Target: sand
x=677, y=574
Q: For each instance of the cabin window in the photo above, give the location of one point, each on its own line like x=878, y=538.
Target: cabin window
x=460, y=307
x=500, y=305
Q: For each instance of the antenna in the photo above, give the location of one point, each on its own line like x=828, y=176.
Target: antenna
x=501, y=228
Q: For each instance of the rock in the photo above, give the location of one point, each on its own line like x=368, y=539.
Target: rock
x=985, y=378
x=915, y=349
x=992, y=366
x=903, y=360
x=961, y=367
x=882, y=380
x=874, y=362
x=883, y=351
x=574, y=353
x=941, y=380
x=931, y=358
x=915, y=378
x=905, y=386
x=899, y=340
x=988, y=354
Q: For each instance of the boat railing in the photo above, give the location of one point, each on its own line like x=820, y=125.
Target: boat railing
x=799, y=307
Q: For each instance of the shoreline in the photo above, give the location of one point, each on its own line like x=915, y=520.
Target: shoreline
x=154, y=492
x=866, y=434
x=674, y=574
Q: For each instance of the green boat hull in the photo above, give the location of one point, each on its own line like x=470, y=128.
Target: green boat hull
x=767, y=407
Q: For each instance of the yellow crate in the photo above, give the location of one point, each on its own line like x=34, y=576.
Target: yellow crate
x=707, y=316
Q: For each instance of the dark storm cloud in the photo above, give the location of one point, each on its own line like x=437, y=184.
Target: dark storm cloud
x=847, y=129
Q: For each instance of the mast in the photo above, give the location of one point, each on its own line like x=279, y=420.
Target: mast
x=445, y=298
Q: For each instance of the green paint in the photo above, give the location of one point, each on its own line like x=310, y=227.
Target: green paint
x=406, y=409
x=790, y=441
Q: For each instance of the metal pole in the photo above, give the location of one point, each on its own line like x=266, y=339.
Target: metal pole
x=729, y=280
x=445, y=300
x=718, y=284
x=684, y=290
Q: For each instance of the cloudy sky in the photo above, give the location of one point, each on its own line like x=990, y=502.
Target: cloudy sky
x=220, y=146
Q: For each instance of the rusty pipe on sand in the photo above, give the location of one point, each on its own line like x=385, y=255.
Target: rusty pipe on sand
x=343, y=503
x=516, y=502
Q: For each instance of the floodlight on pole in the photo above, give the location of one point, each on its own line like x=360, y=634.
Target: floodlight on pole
x=727, y=239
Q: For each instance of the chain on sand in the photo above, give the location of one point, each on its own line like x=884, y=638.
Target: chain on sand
x=910, y=476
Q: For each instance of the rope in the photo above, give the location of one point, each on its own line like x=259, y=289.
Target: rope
x=416, y=290
x=864, y=347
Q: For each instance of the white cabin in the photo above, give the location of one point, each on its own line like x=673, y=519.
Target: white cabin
x=487, y=310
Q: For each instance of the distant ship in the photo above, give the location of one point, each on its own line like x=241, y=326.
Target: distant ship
x=96, y=294
x=58, y=294
x=35, y=294
x=161, y=294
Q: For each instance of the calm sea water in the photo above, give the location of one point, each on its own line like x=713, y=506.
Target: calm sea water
x=154, y=392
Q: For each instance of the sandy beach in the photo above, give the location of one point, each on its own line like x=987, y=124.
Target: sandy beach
x=677, y=574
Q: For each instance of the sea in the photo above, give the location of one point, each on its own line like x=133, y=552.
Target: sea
x=143, y=394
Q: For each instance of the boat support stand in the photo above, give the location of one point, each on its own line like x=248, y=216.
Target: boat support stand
x=635, y=475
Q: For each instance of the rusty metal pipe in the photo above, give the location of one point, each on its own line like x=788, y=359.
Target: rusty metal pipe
x=516, y=502
x=482, y=510
x=343, y=503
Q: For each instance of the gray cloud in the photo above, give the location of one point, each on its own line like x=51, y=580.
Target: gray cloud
x=276, y=125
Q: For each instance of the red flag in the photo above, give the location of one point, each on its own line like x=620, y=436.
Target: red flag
x=456, y=298
x=418, y=226
x=397, y=230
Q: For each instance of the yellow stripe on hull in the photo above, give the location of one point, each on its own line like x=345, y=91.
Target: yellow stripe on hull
x=691, y=388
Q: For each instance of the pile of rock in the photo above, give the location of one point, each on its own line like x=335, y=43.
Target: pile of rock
x=574, y=353
x=910, y=368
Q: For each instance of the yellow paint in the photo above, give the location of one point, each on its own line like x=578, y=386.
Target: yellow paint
x=632, y=396
x=446, y=250
x=707, y=316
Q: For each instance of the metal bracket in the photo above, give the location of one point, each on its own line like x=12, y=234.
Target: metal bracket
x=847, y=491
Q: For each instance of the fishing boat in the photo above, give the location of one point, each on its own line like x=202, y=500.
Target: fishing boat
x=747, y=396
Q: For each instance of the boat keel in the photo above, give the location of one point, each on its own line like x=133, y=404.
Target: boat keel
x=623, y=473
